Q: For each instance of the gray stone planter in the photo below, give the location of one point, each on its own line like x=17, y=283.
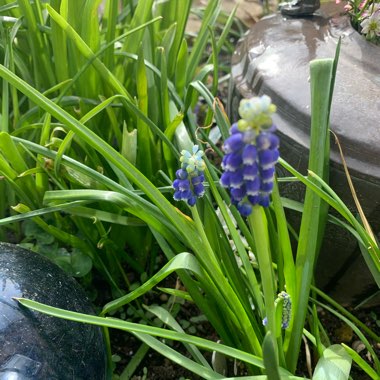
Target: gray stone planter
x=35, y=346
x=273, y=59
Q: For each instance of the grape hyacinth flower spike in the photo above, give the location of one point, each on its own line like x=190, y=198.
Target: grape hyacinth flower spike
x=251, y=154
x=286, y=312
x=188, y=185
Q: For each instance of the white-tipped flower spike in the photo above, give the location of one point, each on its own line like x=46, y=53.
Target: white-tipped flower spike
x=251, y=154
x=189, y=183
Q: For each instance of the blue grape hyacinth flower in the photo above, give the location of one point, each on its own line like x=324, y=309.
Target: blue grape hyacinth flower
x=189, y=185
x=251, y=154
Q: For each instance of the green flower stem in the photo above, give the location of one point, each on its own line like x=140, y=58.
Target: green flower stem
x=258, y=224
x=200, y=228
x=211, y=265
x=221, y=200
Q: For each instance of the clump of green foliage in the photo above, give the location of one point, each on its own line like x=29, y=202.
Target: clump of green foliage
x=97, y=104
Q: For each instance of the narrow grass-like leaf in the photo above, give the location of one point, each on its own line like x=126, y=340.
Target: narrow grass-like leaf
x=181, y=67
x=166, y=317
x=39, y=212
x=88, y=53
x=44, y=77
x=89, y=24
x=252, y=282
x=131, y=203
x=129, y=145
x=135, y=327
x=163, y=85
x=356, y=330
x=172, y=90
x=334, y=201
x=110, y=21
x=206, y=305
x=343, y=311
x=182, y=11
x=176, y=293
x=226, y=30
x=178, y=358
x=371, y=258
x=144, y=137
x=5, y=89
x=137, y=358
x=285, y=245
x=59, y=46
x=361, y=363
x=142, y=13
x=181, y=261
x=210, y=16
x=315, y=212
x=270, y=357
x=220, y=115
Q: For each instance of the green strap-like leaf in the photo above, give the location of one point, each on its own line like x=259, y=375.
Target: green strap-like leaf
x=183, y=260
x=334, y=365
x=139, y=328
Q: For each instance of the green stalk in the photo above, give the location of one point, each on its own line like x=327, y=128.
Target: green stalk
x=44, y=76
x=144, y=135
x=110, y=18
x=87, y=53
x=59, y=46
x=208, y=259
x=258, y=225
x=252, y=282
x=5, y=88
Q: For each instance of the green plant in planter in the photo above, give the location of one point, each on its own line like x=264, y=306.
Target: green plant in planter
x=119, y=70
x=235, y=297
x=78, y=160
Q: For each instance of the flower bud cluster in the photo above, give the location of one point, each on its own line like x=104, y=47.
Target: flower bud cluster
x=188, y=185
x=286, y=308
x=251, y=154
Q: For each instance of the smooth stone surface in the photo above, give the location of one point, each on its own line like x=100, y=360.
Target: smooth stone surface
x=37, y=346
x=273, y=59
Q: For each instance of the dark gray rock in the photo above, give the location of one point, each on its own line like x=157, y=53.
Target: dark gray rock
x=37, y=346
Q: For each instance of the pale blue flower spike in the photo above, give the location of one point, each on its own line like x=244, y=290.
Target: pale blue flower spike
x=193, y=165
